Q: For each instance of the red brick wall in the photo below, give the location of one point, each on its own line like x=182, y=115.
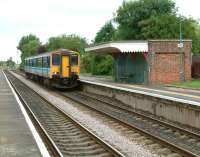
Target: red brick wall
x=164, y=61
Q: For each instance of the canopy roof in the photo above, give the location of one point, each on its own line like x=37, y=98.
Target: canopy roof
x=120, y=47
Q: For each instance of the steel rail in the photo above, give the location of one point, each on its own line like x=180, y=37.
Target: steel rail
x=175, y=148
x=105, y=145
x=48, y=141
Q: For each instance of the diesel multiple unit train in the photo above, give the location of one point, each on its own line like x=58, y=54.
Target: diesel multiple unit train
x=60, y=68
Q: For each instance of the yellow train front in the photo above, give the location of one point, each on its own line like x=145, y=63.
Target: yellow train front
x=59, y=68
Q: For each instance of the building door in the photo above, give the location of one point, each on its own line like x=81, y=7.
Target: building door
x=65, y=66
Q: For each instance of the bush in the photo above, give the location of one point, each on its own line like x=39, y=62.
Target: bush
x=97, y=65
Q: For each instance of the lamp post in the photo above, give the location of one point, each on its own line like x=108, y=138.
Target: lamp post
x=182, y=54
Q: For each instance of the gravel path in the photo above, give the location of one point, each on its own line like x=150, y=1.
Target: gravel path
x=110, y=134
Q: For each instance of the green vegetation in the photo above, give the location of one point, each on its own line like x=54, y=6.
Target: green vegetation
x=106, y=33
x=28, y=45
x=100, y=64
x=153, y=19
x=195, y=84
x=8, y=64
x=134, y=20
x=71, y=42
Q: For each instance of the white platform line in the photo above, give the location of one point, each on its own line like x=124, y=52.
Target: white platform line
x=39, y=142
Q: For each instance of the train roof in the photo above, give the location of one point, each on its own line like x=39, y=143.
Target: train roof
x=48, y=53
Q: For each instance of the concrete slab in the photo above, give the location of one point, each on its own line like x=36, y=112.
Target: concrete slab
x=185, y=94
x=16, y=139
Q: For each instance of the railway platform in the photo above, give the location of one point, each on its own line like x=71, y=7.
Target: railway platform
x=16, y=137
x=176, y=93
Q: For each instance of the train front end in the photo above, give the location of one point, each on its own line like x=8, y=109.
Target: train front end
x=65, y=68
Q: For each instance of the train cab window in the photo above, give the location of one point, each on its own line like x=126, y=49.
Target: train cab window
x=74, y=60
x=56, y=59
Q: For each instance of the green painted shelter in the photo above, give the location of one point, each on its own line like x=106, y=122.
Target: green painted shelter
x=130, y=60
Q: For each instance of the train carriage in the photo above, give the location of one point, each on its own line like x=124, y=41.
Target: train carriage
x=59, y=68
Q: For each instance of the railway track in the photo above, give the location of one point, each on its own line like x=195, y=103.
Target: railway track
x=174, y=140
x=63, y=135
x=171, y=140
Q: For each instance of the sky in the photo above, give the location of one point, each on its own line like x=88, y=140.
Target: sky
x=47, y=18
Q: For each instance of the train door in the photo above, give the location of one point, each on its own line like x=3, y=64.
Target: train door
x=65, y=66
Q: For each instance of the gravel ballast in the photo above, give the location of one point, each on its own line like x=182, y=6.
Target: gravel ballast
x=99, y=126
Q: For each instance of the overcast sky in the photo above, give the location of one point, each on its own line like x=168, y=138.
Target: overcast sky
x=46, y=18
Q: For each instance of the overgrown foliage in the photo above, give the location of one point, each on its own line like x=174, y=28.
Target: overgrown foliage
x=106, y=33
x=71, y=42
x=136, y=20
x=28, y=45
x=153, y=19
x=8, y=64
x=100, y=64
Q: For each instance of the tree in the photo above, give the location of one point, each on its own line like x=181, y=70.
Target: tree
x=10, y=63
x=131, y=13
x=106, y=33
x=71, y=42
x=28, y=45
x=154, y=19
x=42, y=49
x=101, y=64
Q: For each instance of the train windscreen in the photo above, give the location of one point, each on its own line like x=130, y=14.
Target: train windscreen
x=56, y=59
x=74, y=60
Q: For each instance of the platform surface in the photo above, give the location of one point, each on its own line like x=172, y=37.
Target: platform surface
x=16, y=139
x=185, y=94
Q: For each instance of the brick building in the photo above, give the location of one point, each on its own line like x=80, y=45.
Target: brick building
x=148, y=62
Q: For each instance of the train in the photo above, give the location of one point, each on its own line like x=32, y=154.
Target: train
x=59, y=68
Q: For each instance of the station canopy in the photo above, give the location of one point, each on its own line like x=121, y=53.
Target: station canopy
x=119, y=47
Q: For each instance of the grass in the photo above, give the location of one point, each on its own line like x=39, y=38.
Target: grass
x=194, y=84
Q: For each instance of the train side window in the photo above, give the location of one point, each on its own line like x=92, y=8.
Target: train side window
x=40, y=62
x=48, y=61
x=43, y=61
x=56, y=59
x=34, y=62
x=74, y=60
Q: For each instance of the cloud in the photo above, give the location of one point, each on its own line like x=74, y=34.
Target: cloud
x=46, y=18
